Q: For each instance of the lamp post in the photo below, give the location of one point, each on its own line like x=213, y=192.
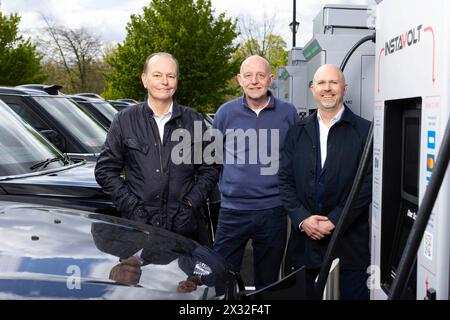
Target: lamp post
x=294, y=24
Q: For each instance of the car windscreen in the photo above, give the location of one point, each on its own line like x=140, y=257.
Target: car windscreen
x=22, y=147
x=82, y=127
x=107, y=110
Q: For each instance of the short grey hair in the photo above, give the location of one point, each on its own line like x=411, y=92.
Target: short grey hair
x=161, y=54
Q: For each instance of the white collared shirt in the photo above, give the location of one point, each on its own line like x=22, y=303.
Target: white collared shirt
x=162, y=120
x=258, y=110
x=324, y=130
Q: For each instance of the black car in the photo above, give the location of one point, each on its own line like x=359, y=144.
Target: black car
x=58, y=253
x=120, y=105
x=89, y=95
x=100, y=109
x=208, y=120
x=58, y=118
x=132, y=101
x=33, y=170
x=91, y=103
x=52, y=89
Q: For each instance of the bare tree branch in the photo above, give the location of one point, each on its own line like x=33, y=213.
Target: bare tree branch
x=51, y=30
x=261, y=39
x=77, y=50
x=250, y=29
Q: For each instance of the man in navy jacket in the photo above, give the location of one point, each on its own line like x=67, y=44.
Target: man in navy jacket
x=318, y=165
x=156, y=189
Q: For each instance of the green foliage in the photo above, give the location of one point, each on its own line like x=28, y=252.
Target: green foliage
x=273, y=48
x=202, y=43
x=19, y=60
x=94, y=80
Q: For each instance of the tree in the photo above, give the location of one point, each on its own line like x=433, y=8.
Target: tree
x=19, y=60
x=202, y=43
x=94, y=82
x=73, y=57
x=260, y=39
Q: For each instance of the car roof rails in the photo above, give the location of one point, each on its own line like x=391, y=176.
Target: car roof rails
x=84, y=98
x=51, y=89
x=89, y=95
x=21, y=91
x=128, y=100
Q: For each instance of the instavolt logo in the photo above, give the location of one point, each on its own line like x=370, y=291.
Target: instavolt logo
x=404, y=40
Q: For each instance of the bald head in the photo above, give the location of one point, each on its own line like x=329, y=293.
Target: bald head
x=255, y=60
x=329, y=69
x=255, y=79
x=328, y=88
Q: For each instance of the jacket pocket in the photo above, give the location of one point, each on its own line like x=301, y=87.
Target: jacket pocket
x=139, y=215
x=134, y=144
x=155, y=217
x=185, y=222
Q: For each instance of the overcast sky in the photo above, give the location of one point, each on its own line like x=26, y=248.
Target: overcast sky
x=108, y=18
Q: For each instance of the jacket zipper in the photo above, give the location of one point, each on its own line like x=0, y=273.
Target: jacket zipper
x=160, y=157
x=158, y=139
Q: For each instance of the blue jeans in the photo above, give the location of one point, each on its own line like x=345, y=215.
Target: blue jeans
x=266, y=228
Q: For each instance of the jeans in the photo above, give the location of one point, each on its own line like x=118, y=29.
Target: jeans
x=266, y=228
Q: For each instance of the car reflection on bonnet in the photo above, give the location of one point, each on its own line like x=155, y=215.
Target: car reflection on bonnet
x=59, y=253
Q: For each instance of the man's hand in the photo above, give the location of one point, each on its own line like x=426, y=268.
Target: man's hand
x=127, y=272
x=327, y=226
x=186, y=286
x=317, y=227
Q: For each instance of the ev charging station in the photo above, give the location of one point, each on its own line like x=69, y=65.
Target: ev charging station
x=336, y=29
x=291, y=83
x=411, y=110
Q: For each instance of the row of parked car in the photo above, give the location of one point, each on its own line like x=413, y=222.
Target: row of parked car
x=62, y=236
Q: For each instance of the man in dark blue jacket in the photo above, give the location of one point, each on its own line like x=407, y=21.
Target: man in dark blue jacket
x=157, y=189
x=253, y=129
x=318, y=165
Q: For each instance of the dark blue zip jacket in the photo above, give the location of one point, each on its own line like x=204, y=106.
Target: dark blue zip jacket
x=155, y=188
x=298, y=186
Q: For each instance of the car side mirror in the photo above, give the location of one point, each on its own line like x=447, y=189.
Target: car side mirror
x=55, y=139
